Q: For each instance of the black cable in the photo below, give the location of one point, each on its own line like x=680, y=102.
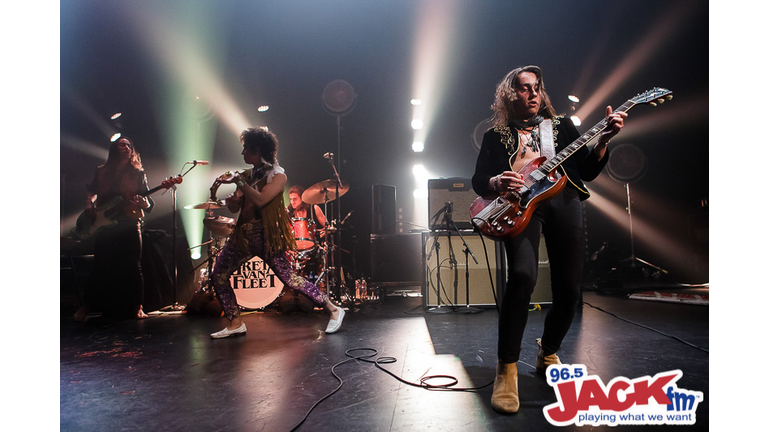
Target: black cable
x=423, y=381
x=648, y=328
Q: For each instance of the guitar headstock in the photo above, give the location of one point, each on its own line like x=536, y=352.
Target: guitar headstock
x=167, y=184
x=654, y=96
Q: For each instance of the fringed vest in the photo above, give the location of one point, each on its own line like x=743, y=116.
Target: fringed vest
x=278, y=230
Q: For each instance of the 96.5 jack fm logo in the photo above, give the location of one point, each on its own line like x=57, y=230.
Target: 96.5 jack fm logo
x=585, y=400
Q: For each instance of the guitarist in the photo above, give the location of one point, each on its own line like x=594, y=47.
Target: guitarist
x=117, y=282
x=525, y=127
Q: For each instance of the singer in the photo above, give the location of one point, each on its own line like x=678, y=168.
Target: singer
x=526, y=127
x=263, y=229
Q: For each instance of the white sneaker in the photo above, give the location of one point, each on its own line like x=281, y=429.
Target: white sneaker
x=227, y=332
x=335, y=324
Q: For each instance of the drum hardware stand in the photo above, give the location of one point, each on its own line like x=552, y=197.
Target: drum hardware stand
x=210, y=243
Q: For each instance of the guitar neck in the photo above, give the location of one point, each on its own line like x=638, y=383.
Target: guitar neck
x=556, y=161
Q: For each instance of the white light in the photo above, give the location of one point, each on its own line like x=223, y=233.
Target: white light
x=263, y=108
x=115, y=116
x=115, y=137
x=576, y=121
x=417, y=124
x=417, y=146
x=420, y=194
x=419, y=171
x=195, y=255
x=573, y=98
x=415, y=102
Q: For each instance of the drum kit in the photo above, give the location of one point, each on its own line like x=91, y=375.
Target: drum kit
x=255, y=284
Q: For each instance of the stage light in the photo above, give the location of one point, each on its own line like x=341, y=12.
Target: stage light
x=415, y=102
x=419, y=171
x=573, y=98
x=417, y=124
x=116, y=116
x=263, y=108
x=576, y=120
x=115, y=137
x=417, y=146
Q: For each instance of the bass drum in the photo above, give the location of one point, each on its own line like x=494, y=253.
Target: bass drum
x=255, y=284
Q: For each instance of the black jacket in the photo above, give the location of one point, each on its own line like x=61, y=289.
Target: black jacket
x=579, y=167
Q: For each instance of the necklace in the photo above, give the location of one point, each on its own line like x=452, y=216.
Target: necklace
x=533, y=142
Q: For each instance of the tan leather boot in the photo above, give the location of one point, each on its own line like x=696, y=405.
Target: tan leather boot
x=543, y=362
x=505, y=397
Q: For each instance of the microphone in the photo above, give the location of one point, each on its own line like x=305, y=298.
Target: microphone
x=328, y=155
x=346, y=217
x=198, y=162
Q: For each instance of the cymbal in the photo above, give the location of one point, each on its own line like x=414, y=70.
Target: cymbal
x=325, y=191
x=206, y=205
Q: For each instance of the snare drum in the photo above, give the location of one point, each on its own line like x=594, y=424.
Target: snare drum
x=304, y=232
x=255, y=284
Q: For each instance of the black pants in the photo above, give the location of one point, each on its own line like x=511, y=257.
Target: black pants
x=116, y=286
x=560, y=220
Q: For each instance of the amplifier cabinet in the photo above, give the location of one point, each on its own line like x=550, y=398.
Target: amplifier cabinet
x=446, y=283
x=487, y=278
x=456, y=191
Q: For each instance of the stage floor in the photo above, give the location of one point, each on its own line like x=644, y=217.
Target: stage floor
x=166, y=373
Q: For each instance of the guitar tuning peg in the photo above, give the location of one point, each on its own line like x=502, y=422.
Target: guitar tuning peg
x=661, y=101
x=669, y=97
x=653, y=103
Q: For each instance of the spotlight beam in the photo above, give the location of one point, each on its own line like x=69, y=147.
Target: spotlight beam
x=634, y=60
x=651, y=237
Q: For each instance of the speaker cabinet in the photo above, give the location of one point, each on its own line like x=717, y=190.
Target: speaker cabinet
x=483, y=289
x=396, y=259
x=542, y=292
x=446, y=284
x=458, y=192
x=384, y=209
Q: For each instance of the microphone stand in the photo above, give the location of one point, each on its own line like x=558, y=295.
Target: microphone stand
x=176, y=306
x=467, y=252
x=335, y=258
x=436, y=248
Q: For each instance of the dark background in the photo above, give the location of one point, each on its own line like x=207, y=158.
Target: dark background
x=284, y=53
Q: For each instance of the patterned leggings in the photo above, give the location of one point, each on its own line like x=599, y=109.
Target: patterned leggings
x=232, y=257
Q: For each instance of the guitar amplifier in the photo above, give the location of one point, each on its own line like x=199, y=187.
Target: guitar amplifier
x=456, y=191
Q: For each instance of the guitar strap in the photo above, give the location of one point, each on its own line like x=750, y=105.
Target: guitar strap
x=547, y=139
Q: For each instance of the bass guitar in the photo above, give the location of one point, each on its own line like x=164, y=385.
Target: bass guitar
x=501, y=216
x=89, y=225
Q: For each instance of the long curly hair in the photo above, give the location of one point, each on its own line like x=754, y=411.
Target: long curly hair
x=263, y=140
x=502, y=107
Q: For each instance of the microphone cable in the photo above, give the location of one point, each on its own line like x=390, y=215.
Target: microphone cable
x=366, y=355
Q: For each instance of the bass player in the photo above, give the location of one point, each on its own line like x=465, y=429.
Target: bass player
x=116, y=284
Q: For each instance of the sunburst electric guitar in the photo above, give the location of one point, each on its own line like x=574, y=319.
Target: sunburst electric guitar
x=501, y=216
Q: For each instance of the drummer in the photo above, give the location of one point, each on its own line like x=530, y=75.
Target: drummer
x=299, y=209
